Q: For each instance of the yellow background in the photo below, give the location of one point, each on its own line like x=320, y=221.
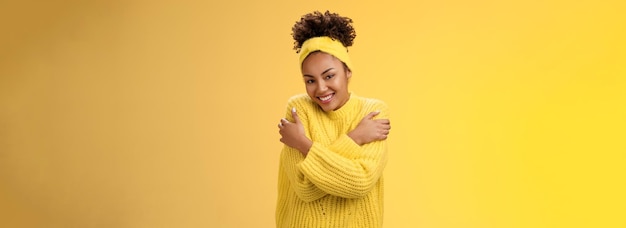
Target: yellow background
x=163, y=114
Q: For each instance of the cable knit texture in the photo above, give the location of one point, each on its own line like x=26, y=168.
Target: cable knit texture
x=339, y=183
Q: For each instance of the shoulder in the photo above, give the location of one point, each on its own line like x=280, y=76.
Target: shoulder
x=372, y=104
x=369, y=105
x=302, y=102
x=299, y=98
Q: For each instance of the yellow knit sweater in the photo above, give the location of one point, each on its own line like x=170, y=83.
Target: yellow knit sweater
x=339, y=183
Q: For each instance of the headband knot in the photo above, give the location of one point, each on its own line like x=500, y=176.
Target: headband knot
x=327, y=45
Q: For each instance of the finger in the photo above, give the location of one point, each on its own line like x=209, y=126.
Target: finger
x=282, y=123
x=382, y=124
x=372, y=114
x=294, y=114
x=383, y=121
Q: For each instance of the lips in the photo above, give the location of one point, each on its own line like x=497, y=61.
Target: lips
x=327, y=98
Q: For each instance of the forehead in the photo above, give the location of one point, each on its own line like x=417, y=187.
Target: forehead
x=318, y=62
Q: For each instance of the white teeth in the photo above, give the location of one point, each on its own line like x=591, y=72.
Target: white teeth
x=326, y=97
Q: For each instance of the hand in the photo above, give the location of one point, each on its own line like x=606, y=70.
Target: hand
x=370, y=130
x=293, y=135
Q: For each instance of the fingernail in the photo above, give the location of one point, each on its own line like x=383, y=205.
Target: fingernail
x=378, y=111
x=293, y=109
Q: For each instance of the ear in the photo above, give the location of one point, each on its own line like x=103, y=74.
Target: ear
x=348, y=74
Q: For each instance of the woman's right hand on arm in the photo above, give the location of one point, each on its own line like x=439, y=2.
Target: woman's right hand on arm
x=292, y=134
x=370, y=129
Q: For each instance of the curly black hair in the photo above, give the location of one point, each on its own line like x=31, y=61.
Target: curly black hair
x=329, y=24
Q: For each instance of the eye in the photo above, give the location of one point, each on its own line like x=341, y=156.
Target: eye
x=330, y=76
x=310, y=81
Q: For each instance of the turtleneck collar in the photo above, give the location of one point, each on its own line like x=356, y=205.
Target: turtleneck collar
x=346, y=109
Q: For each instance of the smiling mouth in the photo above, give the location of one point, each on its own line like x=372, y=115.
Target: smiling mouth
x=327, y=98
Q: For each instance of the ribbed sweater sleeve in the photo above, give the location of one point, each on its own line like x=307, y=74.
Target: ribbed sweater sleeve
x=291, y=157
x=303, y=187
x=344, y=168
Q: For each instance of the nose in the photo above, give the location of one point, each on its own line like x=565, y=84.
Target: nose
x=321, y=86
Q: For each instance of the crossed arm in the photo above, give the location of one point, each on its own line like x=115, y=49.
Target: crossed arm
x=349, y=167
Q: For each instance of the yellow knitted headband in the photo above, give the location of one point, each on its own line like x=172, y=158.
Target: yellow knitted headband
x=327, y=45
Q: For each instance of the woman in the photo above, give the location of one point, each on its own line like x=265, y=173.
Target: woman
x=331, y=167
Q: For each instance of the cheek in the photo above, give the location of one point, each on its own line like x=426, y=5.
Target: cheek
x=310, y=89
x=341, y=84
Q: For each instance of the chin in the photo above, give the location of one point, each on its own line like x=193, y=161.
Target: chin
x=326, y=108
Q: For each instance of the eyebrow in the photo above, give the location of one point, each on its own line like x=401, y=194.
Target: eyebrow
x=326, y=71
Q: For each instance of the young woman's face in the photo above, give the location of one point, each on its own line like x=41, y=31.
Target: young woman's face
x=326, y=80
